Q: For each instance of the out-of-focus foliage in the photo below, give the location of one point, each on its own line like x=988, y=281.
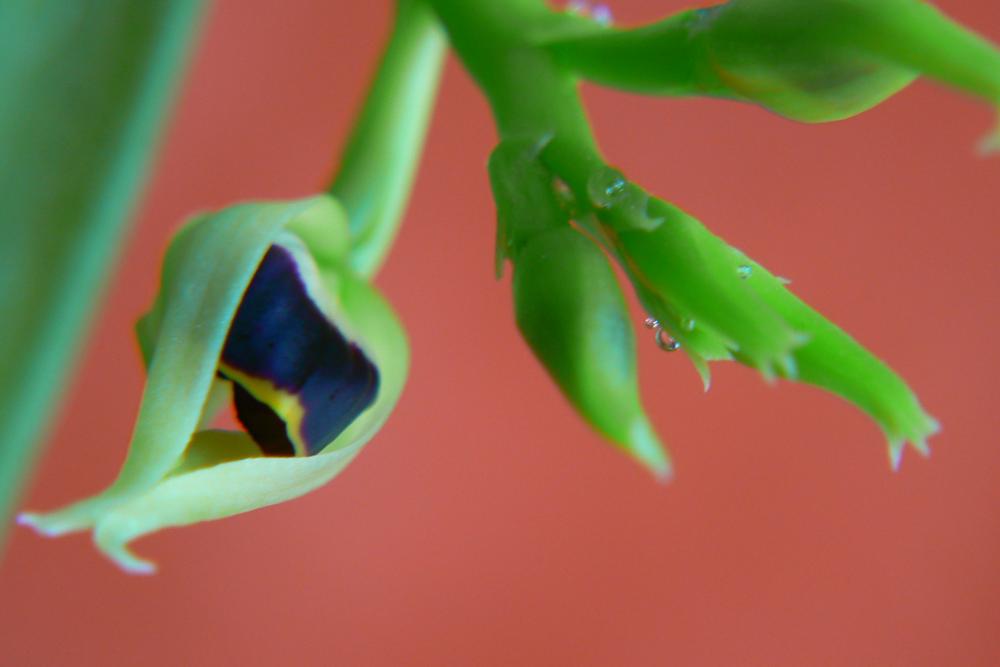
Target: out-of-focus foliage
x=85, y=86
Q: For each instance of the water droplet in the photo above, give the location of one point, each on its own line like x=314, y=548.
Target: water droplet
x=688, y=324
x=606, y=186
x=662, y=338
x=665, y=342
x=615, y=187
x=744, y=271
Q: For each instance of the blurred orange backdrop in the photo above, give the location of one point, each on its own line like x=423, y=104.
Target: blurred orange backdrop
x=486, y=525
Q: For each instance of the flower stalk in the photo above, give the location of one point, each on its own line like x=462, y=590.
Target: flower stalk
x=376, y=171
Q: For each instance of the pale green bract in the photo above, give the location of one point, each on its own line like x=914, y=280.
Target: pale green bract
x=178, y=471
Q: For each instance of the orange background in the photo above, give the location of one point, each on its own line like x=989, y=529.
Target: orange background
x=486, y=525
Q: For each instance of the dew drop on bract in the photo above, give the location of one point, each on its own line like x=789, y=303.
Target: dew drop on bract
x=605, y=186
x=614, y=187
x=662, y=338
x=744, y=271
x=665, y=342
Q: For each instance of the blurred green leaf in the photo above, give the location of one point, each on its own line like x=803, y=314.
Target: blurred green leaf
x=85, y=87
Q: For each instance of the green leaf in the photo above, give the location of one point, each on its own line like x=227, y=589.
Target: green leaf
x=85, y=88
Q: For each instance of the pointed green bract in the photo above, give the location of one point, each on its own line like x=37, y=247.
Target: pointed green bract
x=700, y=292
x=718, y=303
x=831, y=359
x=172, y=476
x=568, y=304
x=572, y=313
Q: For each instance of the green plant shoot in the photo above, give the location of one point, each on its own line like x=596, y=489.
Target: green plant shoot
x=269, y=305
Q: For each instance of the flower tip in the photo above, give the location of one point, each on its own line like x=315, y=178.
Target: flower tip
x=989, y=146
x=37, y=522
x=137, y=566
x=785, y=366
x=896, y=455
x=664, y=475
x=922, y=447
x=127, y=560
x=704, y=372
x=897, y=447
x=646, y=448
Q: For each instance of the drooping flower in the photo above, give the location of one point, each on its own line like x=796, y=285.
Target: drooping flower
x=256, y=304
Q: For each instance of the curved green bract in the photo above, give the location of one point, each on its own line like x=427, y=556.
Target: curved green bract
x=568, y=304
x=831, y=359
x=701, y=297
x=571, y=311
x=178, y=473
x=718, y=304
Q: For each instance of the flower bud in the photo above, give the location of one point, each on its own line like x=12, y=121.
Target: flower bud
x=809, y=60
x=312, y=356
x=571, y=312
x=568, y=304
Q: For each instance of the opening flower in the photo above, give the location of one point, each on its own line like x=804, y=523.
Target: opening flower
x=256, y=304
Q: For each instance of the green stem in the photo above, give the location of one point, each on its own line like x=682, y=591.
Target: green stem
x=664, y=58
x=381, y=157
x=531, y=96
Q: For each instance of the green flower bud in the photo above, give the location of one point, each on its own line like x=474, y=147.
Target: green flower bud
x=568, y=304
x=257, y=304
x=812, y=61
x=800, y=60
x=831, y=59
x=571, y=312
